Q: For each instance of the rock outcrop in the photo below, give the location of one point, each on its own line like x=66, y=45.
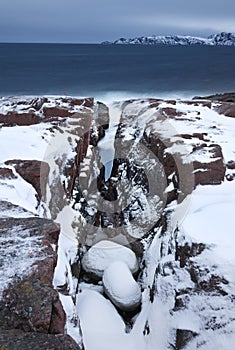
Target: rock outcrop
x=133, y=260
x=28, y=259
x=28, y=111
x=226, y=97
x=13, y=118
x=211, y=172
x=15, y=339
x=34, y=172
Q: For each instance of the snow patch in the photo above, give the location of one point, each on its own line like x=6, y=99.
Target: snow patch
x=102, y=326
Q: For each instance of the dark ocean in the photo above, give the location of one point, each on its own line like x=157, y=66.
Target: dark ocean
x=115, y=71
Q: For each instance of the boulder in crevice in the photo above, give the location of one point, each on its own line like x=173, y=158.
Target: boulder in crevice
x=120, y=286
x=103, y=253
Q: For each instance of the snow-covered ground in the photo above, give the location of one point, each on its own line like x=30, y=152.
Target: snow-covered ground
x=211, y=220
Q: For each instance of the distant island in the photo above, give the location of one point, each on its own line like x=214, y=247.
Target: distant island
x=227, y=39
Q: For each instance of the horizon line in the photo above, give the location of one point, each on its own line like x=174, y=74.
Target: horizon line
x=103, y=41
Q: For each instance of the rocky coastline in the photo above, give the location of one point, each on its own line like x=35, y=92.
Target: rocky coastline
x=66, y=231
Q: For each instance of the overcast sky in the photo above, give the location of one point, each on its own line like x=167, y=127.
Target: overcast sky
x=98, y=20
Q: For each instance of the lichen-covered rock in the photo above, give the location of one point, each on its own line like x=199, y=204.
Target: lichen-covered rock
x=28, y=258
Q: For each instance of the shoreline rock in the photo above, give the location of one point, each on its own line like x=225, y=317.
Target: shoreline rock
x=29, y=301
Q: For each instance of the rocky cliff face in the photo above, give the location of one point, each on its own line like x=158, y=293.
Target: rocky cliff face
x=148, y=250
x=30, y=306
x=182, y=144
x=187, y=145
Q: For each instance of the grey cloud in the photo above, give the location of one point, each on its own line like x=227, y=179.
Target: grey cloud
x=94, y=21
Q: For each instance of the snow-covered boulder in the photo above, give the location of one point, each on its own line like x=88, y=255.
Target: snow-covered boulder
x=121, y=287
x=103, y=253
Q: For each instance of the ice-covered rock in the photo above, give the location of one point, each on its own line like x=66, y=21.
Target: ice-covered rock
x=103, y=253
x=120, y=286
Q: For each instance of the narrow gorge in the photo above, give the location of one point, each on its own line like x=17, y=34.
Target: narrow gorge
x=104, y=232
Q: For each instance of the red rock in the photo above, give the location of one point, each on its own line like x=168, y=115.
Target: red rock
x=15, y=339
x=6, y=173
x=170, y=112
x=211, y=172
x=51, y=112
x=231, y=164
x=200, y=136
x=13, y=118
x=227, y=109
x=82, y=128
x=86, y=102
x=38, y=102
x=30, y=303
x=226, y=97
x=73, y=101
x=33, y=171
x=203, y=103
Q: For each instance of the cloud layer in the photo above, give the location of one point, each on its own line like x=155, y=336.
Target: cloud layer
x=94, y=21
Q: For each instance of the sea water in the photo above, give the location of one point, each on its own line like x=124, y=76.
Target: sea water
x=112, y=72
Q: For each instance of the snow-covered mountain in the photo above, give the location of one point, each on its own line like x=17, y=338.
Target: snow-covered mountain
x=223, y=38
